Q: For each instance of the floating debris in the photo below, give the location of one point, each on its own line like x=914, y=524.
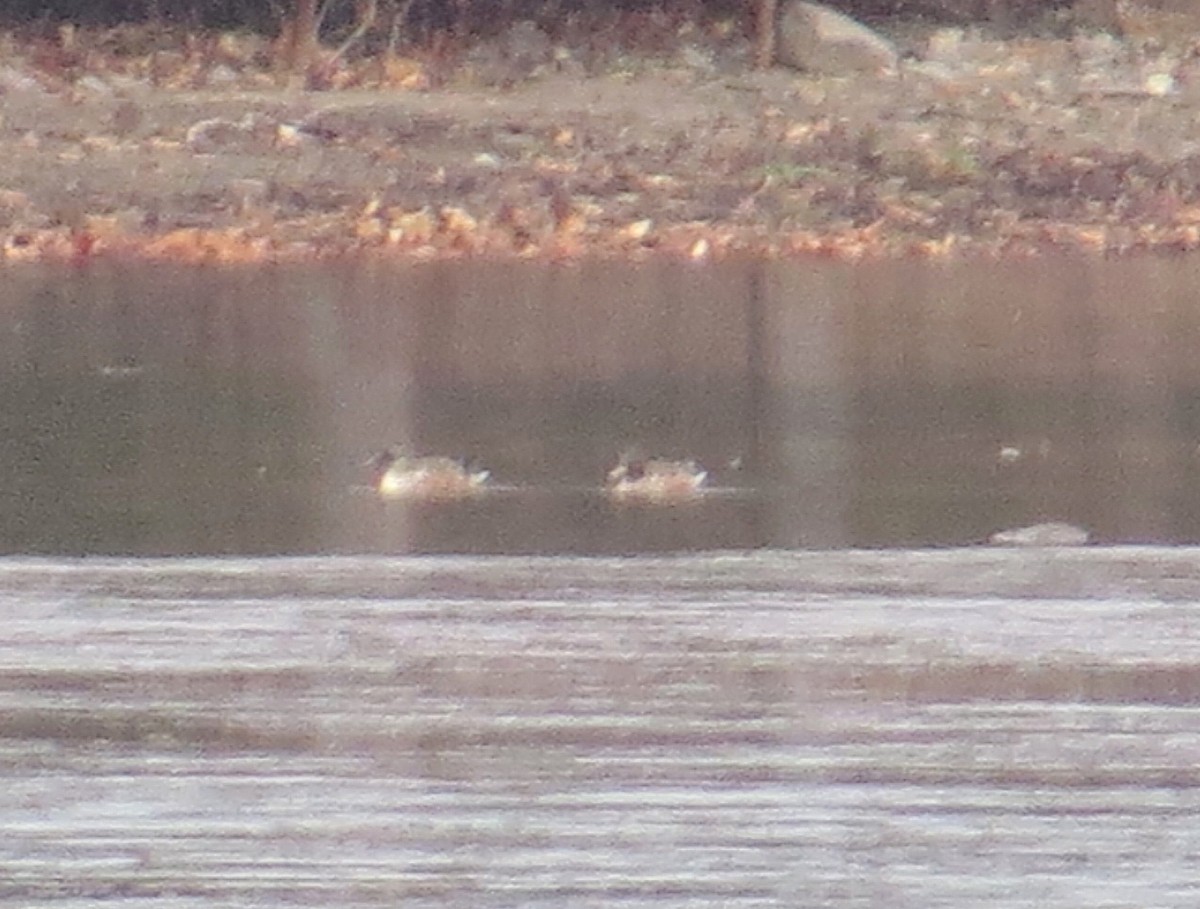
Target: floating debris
x=1009, y=454
x=1052, y=533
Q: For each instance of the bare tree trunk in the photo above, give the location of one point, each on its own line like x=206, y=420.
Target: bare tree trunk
x=366, y=13
x=298, y=37
x=766, y=13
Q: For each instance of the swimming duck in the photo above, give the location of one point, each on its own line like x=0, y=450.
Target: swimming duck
x=397, y=476
x=655, y=481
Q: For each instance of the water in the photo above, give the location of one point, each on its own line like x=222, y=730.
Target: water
x=985, y=727
x=235, y=677
x=159, y=411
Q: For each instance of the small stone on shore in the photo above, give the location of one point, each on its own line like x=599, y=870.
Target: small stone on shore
x=818, y=39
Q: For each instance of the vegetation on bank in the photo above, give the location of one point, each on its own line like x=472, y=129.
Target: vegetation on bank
x=629, y=134
x=302, y=25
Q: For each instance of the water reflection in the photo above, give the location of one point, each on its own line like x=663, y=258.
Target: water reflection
x=204, y=411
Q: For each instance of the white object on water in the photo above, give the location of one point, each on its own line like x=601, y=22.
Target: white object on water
x=1052, y=533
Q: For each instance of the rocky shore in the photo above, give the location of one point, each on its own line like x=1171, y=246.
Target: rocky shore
x=618, y=137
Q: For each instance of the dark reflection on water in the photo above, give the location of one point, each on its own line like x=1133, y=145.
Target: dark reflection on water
x=204, y=411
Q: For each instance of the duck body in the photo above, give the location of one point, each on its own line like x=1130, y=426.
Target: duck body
x=655, y=481
x=396, y=476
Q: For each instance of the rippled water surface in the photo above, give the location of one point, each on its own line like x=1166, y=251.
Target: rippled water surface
x=237, y=678
x=877, y=729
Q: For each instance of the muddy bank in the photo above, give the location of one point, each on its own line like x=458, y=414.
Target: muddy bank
x=584, y=145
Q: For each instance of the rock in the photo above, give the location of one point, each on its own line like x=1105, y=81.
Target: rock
x=14, y=81
x=1053, y=533
x=816, y=38
x=254, y=132
x=1166, y=23
x=515, y=55
x=94, y=85
x=221, y=76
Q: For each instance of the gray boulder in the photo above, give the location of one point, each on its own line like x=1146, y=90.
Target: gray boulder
x=819, y=39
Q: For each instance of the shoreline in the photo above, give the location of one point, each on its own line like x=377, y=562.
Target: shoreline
x=981, y=147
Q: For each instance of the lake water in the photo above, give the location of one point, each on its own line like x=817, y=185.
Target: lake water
x=230, y=675
x=880, y=729
x=154, y=411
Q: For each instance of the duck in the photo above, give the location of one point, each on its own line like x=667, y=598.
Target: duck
x=655, y=481
x=434, y=478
